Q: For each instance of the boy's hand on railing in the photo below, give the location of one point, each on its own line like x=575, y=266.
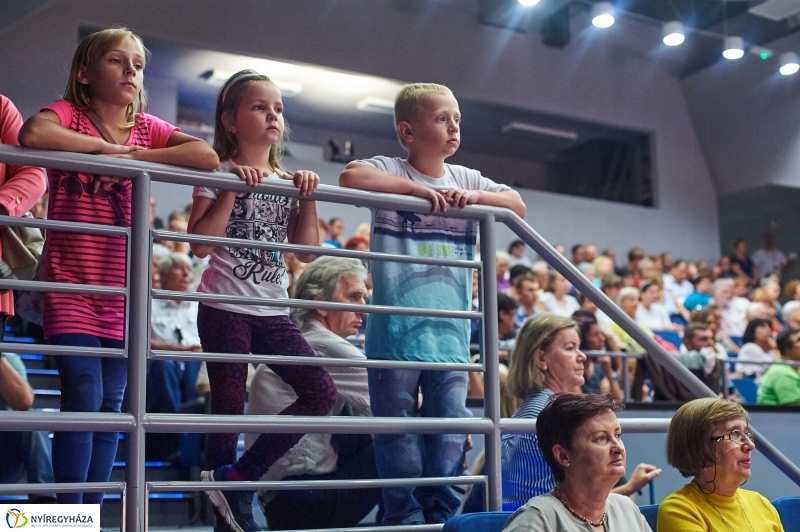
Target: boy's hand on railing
x=458, y=197
x=305, y=180
x=436, y=198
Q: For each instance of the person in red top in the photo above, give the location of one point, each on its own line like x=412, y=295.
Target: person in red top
x=103, y=113
x=20, y=187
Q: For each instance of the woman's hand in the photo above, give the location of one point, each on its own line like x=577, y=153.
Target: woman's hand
x=248, y=174
x=640, y=477
x=305, y=180
x=605, y=365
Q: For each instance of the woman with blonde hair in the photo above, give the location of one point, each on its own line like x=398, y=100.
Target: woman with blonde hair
x=709, y=439
x=546, y=360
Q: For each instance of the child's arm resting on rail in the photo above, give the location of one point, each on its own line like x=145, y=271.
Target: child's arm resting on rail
x=303, y=223
x=181, y=150
x=510, y=199
x=44, y=131
x=364, y=176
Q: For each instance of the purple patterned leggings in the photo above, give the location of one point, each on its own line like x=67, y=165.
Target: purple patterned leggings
x=230, y=332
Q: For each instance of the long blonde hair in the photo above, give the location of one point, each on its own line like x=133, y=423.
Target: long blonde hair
x=90, y=50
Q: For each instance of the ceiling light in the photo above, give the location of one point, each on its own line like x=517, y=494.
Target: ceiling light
x=218, y=77
x=528, y=2
x=603, y=14
x=673, y=33
x=734, y=48
x=524, y=127
x=789, y=64
x=374, y=104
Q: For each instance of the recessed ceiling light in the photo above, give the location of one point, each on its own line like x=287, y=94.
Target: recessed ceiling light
x=603, y=14
x=673, y=33
x=524, y=127
x=528, y=2
x=217, y=77
x=734, y=48
x=789, y=64
x=373, y=104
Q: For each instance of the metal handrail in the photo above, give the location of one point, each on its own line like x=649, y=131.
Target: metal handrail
x=139, y=293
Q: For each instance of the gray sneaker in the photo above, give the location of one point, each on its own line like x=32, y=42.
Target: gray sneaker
x=235, y=508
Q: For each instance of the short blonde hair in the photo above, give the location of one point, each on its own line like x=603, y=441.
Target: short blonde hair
x=689, y=445
x=89, y=51
x=538, y=332
x=408, y=98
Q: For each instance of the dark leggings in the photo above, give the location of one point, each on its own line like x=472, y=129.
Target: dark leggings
x=230, y=332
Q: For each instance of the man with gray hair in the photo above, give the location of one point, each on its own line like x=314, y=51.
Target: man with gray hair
x=321, y=456
x=171, y=383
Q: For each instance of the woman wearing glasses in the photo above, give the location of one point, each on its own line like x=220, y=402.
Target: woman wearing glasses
x=709, y=439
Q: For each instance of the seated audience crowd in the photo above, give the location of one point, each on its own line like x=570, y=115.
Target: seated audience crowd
x=559, y=352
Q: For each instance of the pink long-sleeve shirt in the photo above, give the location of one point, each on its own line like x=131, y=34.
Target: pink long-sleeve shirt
x=20, y=186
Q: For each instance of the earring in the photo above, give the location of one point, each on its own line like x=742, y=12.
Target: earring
x=567, y=464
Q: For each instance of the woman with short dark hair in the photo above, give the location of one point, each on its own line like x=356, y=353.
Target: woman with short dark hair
x=581, y=440
x=709, y=439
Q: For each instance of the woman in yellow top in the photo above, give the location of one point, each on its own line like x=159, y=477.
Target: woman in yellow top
x=708, y=439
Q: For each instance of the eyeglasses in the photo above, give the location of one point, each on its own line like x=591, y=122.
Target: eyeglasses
x=736, y=436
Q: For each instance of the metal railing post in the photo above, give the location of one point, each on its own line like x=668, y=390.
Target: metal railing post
x=491, y=361
x=138, y=348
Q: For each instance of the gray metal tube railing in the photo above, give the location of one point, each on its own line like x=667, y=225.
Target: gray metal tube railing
x=44, y=349
x=308, y=361
x=314, y=250
x=67, y=421
x=313, y=304
x=138, y=338
x=138, y=422
x=312, y=425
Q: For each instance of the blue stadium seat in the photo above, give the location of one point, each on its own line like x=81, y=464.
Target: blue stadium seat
x=650, y=512
x=789, y=510
x=737, y=340
x=671, y=336
x=477, y=522
x=747, y=389
x=677, y=319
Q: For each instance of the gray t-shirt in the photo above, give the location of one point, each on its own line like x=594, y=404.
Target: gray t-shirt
x=546, y=514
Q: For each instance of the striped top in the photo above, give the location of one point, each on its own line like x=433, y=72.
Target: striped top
x=525, y=472
x=91, y=259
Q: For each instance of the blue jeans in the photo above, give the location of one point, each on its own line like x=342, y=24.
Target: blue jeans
x=25, y=453
x=88, y=384
x=393, y=393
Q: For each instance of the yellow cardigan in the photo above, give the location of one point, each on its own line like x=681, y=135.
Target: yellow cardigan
x=690, y=510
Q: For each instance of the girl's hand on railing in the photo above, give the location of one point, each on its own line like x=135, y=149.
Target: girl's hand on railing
x=305, y=180
x=118, y=150
x=248, y=174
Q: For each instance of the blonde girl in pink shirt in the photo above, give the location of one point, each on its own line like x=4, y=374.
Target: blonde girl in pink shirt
x=102, y=112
